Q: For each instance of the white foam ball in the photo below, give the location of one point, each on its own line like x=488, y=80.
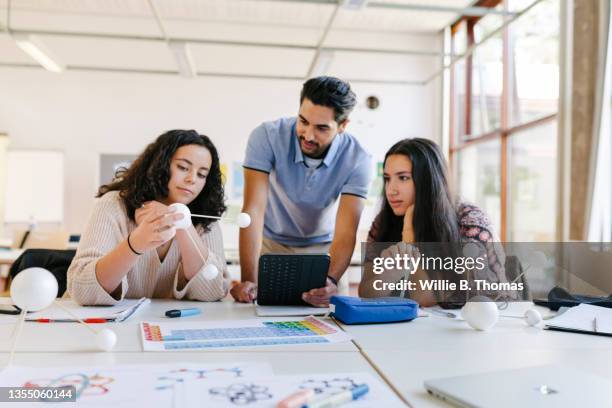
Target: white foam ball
x=184, y=222
x=243, y=220
x=34, y=289
x=106, y=339
x=210, y=272
x=480, y=313
x=533, y=317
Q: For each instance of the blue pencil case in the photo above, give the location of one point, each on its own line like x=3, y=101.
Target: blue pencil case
x=354, y=310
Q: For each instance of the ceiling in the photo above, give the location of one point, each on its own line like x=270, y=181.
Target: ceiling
x=394, y=41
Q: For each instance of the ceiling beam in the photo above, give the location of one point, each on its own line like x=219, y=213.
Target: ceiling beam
x=317, y=55
x=211, y=74
x=464, y=11
x=470, y=50
x=132, y=37
x=471, y=11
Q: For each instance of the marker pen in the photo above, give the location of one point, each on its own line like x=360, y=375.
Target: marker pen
x=183, y=312
x=340, y=398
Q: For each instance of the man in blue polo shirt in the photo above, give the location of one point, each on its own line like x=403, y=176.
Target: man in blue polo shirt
x=295, y=170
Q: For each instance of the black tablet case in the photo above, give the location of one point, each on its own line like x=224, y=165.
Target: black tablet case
x=284, y=277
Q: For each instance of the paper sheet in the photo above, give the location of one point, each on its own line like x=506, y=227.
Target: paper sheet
x=260, y=392
x=95, y=387
x=584, y=317
x=215, y=335
x=151, y=385
x=267, y=311
x=120, y=312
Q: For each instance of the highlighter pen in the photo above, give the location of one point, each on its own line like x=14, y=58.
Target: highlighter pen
x=183, y=312
x=297, y=399
x=340, y=398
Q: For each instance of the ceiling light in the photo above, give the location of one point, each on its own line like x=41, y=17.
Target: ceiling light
x=324, y=60
x=353, y=4
x=35, y=48
x=184, y=59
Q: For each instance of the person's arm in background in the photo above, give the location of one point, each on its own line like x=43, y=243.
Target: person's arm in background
x=341, y=251
x=255, y=201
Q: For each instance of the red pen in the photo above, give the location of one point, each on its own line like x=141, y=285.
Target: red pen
x=90, y=320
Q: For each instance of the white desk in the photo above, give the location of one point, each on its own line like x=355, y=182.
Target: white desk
x=71, y=337
x=430, y=347
x=69, y=344
x=406, y=354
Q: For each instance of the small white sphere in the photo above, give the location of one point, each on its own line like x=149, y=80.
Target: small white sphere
x=34, y=289
x=243, y=220
x=480, y=313
x=210, y=272
x=106, y=339
x=533, y=317
x=184, y=222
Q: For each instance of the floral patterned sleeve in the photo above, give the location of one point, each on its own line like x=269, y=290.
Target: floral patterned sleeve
x=476, y=227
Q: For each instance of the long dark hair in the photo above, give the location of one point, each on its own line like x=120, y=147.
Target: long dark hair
x=435, y=212
x=147, y=177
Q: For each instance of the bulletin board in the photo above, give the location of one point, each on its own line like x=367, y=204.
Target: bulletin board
x=34, y=186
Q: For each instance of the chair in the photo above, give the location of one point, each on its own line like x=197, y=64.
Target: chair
x=53, y=260
x=514, y=269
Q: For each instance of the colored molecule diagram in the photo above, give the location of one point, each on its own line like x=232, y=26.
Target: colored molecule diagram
x=167, y=381
x=85, y=385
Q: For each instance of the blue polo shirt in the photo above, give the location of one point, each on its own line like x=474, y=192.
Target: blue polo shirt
x=302, y=201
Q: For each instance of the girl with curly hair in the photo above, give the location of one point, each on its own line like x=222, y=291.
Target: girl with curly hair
x=130, y=247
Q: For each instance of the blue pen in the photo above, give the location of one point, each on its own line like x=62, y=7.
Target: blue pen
x=183, y=312
x=340, y=398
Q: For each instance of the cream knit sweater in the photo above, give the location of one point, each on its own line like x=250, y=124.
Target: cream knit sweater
x=109, y=225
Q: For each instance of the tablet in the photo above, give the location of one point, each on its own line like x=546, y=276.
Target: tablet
x=283, y=278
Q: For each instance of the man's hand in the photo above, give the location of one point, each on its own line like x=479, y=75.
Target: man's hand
x=320, y=297
x=244, y=292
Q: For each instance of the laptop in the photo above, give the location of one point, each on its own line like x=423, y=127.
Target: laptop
x=544, y=386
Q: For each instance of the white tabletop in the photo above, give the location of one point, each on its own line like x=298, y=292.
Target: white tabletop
x=74, y=338
x=405, y=354
x=432, y=347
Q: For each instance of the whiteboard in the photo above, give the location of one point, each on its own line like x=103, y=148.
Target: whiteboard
x=34, y=186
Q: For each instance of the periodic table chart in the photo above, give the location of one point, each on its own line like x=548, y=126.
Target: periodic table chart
x=240, y=333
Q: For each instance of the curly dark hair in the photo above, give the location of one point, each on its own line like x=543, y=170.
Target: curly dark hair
x=147, y=177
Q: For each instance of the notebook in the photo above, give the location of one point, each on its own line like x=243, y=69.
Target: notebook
x=583, y=318
x=93, y=314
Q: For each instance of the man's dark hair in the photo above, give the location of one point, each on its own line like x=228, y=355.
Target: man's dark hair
x=330, y=92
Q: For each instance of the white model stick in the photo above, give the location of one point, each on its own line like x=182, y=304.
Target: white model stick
x=74, y=316
x=105, y=338
x=196, y=247
x=210, y=271
x=16, y=337
x=206, y=216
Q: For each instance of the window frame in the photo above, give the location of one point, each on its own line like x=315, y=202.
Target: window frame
x=505, y=131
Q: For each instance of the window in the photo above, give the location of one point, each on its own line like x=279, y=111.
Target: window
x=503, y=117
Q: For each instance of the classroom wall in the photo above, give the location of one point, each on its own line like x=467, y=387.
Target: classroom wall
x=85, y=114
